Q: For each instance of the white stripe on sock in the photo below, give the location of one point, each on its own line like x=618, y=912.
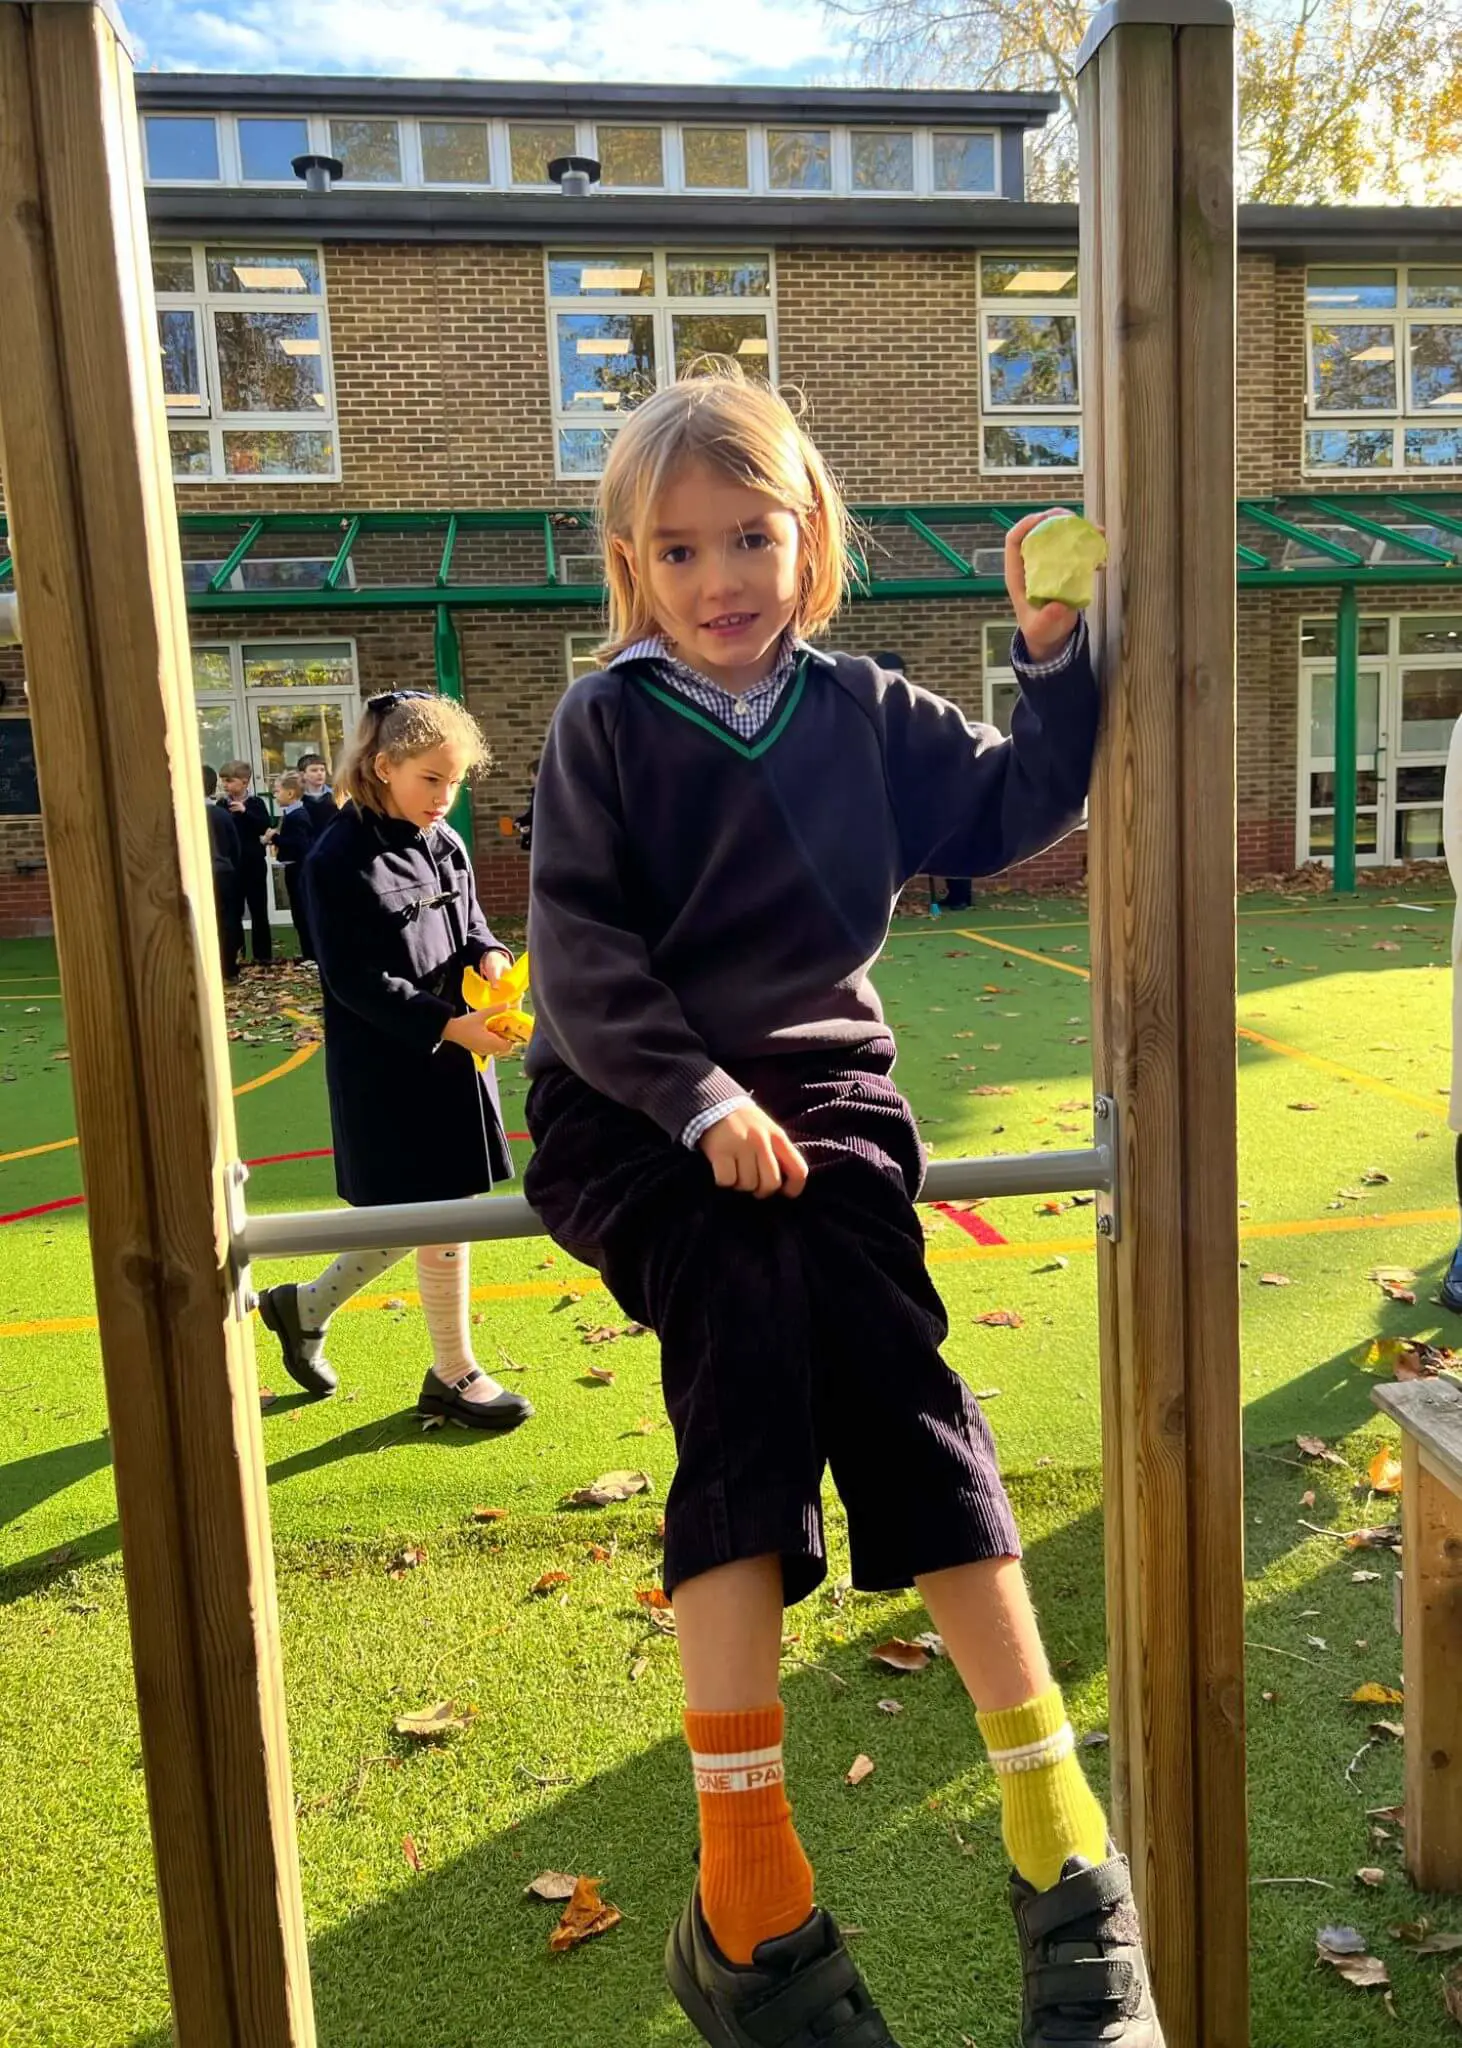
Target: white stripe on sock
x=1035, y=1756
x=714, y=1775
x=730, y=1760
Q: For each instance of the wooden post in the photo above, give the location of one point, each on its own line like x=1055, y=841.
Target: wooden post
x=89, y=491
x=1431, y=1546
x=1158, y=309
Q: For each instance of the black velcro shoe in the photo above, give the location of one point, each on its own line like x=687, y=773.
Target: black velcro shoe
x=304, y=1356
x=1081, y=1955
x=801, y=1990
x=503, y=1412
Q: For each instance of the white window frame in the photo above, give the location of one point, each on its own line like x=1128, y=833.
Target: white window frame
x=1026, y=416
x=220, y=123
x=909, y=191
x=211, y=417
x=317, y=143
x=663, y=310
x=407, y=154
x=667, y=138
x=1402, y=321
x=572, y=642
x=993, y=674
x=463, y=120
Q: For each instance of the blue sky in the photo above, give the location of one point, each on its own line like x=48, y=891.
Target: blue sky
x=674, y=41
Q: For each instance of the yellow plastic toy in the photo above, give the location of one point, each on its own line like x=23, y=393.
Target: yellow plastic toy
x=503, y=1003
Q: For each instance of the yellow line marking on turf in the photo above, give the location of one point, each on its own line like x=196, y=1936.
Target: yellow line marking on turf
x=296, y=1059
x=41, y=996
x=1041, y=959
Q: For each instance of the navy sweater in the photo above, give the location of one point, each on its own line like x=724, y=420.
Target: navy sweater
x=698, y=900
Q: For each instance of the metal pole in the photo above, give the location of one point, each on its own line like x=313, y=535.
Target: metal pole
x=1347, y=655
x=447, y=648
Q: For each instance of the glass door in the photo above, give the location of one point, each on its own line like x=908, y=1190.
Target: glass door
x=1427, y=702
x=1317, y=795
x=283, y=728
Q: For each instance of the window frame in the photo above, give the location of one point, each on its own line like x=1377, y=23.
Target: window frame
x=662, y=310
x=211, y=417
x=569, y=656
x=220, y=124
x=1402, y=320
x=1029, y=305
x=993, y=675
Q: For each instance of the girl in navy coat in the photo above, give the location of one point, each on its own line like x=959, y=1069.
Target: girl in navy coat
x=395, y=921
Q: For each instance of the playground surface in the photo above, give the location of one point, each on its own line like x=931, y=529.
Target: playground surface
x=393, y=1597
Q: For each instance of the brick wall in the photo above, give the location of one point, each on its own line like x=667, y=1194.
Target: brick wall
x=1257, y=423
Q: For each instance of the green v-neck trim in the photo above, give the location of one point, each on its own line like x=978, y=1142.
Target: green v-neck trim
x=749, y=750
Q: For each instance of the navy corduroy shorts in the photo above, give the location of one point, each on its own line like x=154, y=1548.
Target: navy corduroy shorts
x=794, y=1334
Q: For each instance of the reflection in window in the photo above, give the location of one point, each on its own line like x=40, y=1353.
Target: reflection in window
x=267, y=148
x=1036, y=447
x=533, y=145
x=964, y=163
x=716, y=159
x=269, y=362
x=1349, y=448
x=800, y=159
x=183, y=146
x=632, y=156
x=182, y=377
x=263, y=270
x=1354, y=368
x=1368, y=355
x=370, y=150
x=277, y=452
x=1431, y=704
x=172, y=267
x=718, y=277
x=1030, y=360
x=742, y=335
x=192, y=455
x=606, y=361
x=601, y=276
x=455, y=153
x=882, y=162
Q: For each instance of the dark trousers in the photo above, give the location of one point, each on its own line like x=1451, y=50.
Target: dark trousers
x=228, y=903
x=793, y=1334
x=294, y=889
x=256, y=901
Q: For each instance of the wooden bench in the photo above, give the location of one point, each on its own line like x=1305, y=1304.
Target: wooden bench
x=1430, y=1415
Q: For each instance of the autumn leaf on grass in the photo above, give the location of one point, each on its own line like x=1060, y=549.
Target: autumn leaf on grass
x=901, y=1656
x=599, y=1555
x=611, y=1486
x=405, y=1561
x=1274, y=1280
x=1002, y=1319
x=410, y=1851
x=1370, y=1877
x=1316, y=1447
x=862, y=1767
x=990, y=1088
x=1452, y=1993
x=585, y=1916
x=553, y=1885
x=431, y=1724
x=601, y=1375
x=1304, y=1105
x=1373, y=1695
x=489, y=1514
x=1394, y=1291
x=1373, y=1177
x=1388, y=1537
x=652, y=1596
x=1384, y=1471
x=1391, y=1276
x=1386, y=946
x=603, y=1334
x=549, y=1581
x=1344, y=1948
x=1052, y=1206
x=1425, y=1940
x=1307, y=1499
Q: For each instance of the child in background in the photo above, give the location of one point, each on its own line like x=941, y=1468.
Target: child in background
x=252, y=823
x=395, y=917
x=223, y=840
x=724, y=819
x=292, y=839
x=320, y=804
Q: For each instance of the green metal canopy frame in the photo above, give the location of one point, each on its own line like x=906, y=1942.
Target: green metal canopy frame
x=237, y=563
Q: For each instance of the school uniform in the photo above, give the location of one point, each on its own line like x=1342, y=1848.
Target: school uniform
x=224, y=845
x=251, y=823
x=320, y=810
x=395, y=920
x=294, y=837
x=713, y=879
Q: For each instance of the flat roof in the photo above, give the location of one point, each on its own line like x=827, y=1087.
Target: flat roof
x=248, y=92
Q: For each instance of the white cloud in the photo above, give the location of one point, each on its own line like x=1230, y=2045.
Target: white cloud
x=656, y=41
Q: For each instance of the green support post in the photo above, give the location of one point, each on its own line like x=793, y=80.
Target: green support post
x=448, y=650
x=1347, y=656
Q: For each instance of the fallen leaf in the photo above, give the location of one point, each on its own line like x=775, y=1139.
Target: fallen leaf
x=406, y=1561
x=1373, y=1695
x=1304, y=1105
x=410, y=1851
x=1423, y=1940
x=549, y=1580
x=1401, y=1275
x=1317, y=1642
x=1387, y=1537
x=1384, y=1471
x=1341, y=1941
x=430, y=1724
x=489, y=1514
x=1373, y=1177
x=1053, y=1207
x=554, y=1885
x=659, y=1599
x=611, y=1486
x=1095, y=1738
x=1452, y=1994
x=1394, y=1729
x=1371, y=1877
x=1307, y=1500
x=599, y=1555
x=862, y=1767
x=1274, y=1280
x=989, y=1088
x=638, y=1669
x=931, y=1642
x=890, y=1706
x=604, y=1334
x=584, y=1917
x=1002, y=1319
x=1386, y=946
x=646, y=1426
x=604, y=1374
x=1364, y=1578
x=901, y=1656
x=1394, y=1291
x=1316, y=1447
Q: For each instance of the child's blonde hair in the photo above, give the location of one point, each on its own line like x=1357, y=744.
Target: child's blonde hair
x=402, y=724
x=289, y=782
x=720, y=416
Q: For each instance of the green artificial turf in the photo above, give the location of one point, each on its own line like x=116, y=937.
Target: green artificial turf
x=453, y=1954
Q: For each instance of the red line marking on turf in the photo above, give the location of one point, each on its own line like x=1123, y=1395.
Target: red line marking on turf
x=973, y=1224
x=43, y=1209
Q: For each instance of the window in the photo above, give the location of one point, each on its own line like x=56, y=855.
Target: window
x=267, y=149
x=581, y=655
x=964, y=163
x=1029, y=364
x=369, y=150
x=533, y=145
x=1384, y=376
x=455, y=153
x=1001, y=688
x=245, y=361
x=800, y=159
x=624, y=324
x=632, y=157
x=182, y=146
x=716, y=159
x=882, y=162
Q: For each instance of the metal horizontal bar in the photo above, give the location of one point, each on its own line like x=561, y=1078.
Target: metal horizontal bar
x=1312, y=542
x=1376, y=527
x=303, y=1233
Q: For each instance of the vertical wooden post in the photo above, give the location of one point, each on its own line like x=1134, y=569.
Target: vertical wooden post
x=1431, y=1545
x=89, y=491
x=1158, y=308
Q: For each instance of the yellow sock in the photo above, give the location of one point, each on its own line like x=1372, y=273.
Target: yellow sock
x=1048, y=1812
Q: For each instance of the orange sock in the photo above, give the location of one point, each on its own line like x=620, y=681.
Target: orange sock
x=755, y=1880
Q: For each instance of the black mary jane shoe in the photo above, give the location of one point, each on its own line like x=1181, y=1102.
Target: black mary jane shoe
x=1082, y=1962
x=503, y=1412
x=800, y=1990
x=279, y=1312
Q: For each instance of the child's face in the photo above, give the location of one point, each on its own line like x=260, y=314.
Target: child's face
x=723, y=563
x=423, y=789
x=315, y=774
x=235, y=786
